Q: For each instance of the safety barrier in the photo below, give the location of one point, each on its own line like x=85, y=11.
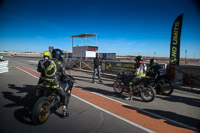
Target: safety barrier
x=3, y=65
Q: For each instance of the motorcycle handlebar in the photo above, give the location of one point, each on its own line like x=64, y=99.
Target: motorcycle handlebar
x=69, y=78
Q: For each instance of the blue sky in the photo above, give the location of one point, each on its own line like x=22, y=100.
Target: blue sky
x=126, y=27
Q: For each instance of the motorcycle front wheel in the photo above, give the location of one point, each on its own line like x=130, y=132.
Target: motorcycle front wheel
x=118, y=88
x=41, y=111
x=148, y=94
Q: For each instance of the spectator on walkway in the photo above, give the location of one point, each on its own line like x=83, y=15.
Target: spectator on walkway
x=97, y=68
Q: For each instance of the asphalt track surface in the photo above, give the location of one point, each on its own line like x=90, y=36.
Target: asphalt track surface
x=94, y=107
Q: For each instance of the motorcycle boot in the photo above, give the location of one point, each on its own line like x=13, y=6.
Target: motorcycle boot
x=130, y=96
x=65, y=111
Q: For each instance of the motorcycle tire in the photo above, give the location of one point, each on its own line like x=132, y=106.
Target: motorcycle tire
x=40, y=113
x=166, y=89
x=148, y=94
x=118, y=88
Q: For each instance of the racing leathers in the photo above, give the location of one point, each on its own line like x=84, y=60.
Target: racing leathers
x=55, y=72
x=40, y=68
x=154, y=69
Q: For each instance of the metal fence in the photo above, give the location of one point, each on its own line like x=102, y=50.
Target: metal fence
x=115, y=66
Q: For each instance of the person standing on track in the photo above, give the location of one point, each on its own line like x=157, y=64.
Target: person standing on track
x=97, y=68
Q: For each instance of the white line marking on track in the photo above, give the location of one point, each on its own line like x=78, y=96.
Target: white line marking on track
x=33, y=61
x=162, y=117
x=121, y=118
x=27, y=72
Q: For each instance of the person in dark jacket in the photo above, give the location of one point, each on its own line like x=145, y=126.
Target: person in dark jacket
x=46, y=56
x=97, y=68
x=154, y=66
x=40, y=67
x=54, y=72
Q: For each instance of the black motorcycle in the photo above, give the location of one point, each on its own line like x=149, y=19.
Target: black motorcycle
x=142, y=87
x=161, y=82
x=49, y=101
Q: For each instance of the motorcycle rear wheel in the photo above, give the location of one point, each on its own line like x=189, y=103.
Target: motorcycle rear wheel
x=148, y=94
x=166, y=89
x=41, y=111
x=118, y=88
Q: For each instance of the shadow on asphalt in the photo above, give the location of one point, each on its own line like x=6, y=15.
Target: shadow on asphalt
x=186, y=100
x=100, y=91
x=23, y=114
x=170, y=115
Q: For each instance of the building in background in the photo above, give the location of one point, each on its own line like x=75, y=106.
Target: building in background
x=107, y=56
x=84, y=51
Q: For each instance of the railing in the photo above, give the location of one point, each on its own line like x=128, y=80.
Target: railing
x=114, y=66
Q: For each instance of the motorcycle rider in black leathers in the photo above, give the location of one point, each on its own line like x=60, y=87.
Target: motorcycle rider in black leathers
x=154, y=68
x=139, y=73
x=55, y=72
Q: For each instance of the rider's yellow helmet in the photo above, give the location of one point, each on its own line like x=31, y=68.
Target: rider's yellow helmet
x=47, y=54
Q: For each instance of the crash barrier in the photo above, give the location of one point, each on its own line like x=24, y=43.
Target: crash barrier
x=3, y=65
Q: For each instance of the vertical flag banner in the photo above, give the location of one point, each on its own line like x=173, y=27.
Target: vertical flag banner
x=175, y=41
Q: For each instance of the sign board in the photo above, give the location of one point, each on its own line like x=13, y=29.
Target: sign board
x=116, y=66
x=92, y=48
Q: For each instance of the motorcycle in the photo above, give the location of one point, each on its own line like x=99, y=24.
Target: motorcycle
x=141, y=87
x=49, y=101
x=161, y=82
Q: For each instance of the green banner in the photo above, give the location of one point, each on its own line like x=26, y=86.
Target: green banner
x=116, y=66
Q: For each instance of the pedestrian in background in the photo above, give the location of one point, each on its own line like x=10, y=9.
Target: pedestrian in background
x=97, y=68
